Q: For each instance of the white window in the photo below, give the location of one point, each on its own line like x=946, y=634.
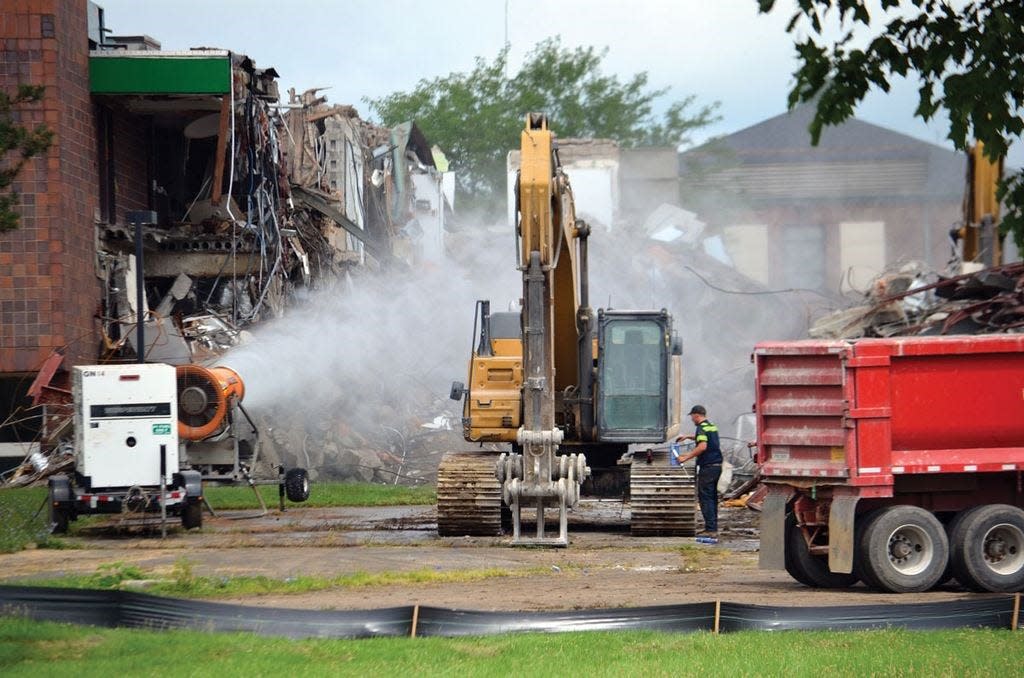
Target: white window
x=803, y=257
x=747, y=245
x=861, y=252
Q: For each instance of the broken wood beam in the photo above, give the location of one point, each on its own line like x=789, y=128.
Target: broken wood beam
x=314, y=201
x=221, y=153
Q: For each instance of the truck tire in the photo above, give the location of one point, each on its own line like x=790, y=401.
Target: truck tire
x=987, y=548
x=192, y=515
x=791, y=568
x=809, y=569
x=903, y=549
x=296, y=485
x=949, y=574
x=860, y=550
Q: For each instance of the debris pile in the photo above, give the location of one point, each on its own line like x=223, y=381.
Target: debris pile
x=909, y=301
x=335, y=440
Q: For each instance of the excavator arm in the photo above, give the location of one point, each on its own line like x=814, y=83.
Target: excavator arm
x=547, y=233
x=979, y=233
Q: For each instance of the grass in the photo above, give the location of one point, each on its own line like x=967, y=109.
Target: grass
x=182, y=582
x=23, y=516
x=23, y=520
x=324, y=495
x=29, y=648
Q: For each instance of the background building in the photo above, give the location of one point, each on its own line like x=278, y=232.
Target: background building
x=829, y=217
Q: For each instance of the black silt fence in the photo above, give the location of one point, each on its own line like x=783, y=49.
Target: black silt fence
x=122, y=609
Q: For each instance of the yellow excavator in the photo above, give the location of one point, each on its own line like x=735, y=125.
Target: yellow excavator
x=570, y=395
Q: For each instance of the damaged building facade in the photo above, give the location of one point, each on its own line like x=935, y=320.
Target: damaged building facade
x=245, y=203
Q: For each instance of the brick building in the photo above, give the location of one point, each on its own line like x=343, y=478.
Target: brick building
x=828, y=217
x=48, y=283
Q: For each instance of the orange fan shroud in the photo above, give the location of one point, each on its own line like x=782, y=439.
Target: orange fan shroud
x=204, y=394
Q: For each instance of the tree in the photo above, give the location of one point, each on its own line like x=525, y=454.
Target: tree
x=476, y=117
x=969, y=61
x=22, y=144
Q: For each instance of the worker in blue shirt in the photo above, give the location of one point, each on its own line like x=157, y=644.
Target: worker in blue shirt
x=708, y=453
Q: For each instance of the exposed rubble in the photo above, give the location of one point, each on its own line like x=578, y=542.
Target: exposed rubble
x=909, y=301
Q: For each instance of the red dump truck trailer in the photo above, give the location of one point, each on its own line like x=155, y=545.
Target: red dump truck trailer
x=897, y=462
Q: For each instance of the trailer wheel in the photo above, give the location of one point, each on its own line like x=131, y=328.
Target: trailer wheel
x=58, y=497
x=987, y=548
x=903, y=549
x=807, y=568
x=296, y=485
x=59, y=519
x=192, y=515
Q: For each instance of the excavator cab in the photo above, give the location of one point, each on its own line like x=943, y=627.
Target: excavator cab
x=637, y=379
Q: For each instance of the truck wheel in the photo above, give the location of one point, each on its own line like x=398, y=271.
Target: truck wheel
x=808, y=568
x=192, y=515
x=791, y=568
x=987, y=548
x=949, y=574
x=296, y=485
x=904, y=549
x=860, y=550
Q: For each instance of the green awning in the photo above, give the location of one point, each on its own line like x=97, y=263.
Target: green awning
x=161, y=73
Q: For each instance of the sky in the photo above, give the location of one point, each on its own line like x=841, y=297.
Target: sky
x=720, y=50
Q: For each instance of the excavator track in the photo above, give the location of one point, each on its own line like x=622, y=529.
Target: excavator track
x=663, y=498
x=468, y=495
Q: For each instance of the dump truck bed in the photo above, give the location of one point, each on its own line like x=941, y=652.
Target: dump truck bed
x=859, y=413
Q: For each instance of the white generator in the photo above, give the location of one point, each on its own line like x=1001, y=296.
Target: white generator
x=123, y=415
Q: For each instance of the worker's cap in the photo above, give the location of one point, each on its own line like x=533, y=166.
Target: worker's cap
x=698, y=409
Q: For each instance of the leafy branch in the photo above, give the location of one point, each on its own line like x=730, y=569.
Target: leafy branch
x=18, y=144
x=969, y=59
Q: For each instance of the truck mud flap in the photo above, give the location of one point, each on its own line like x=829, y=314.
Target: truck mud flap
x=840, y=532
x=190, y=481
x=773, y=528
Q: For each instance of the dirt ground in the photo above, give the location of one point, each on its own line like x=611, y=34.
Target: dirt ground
x=602, y=567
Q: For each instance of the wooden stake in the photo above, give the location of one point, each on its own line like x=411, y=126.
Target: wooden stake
x=718, y=614
x=415, y=619
x=1016, y=612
